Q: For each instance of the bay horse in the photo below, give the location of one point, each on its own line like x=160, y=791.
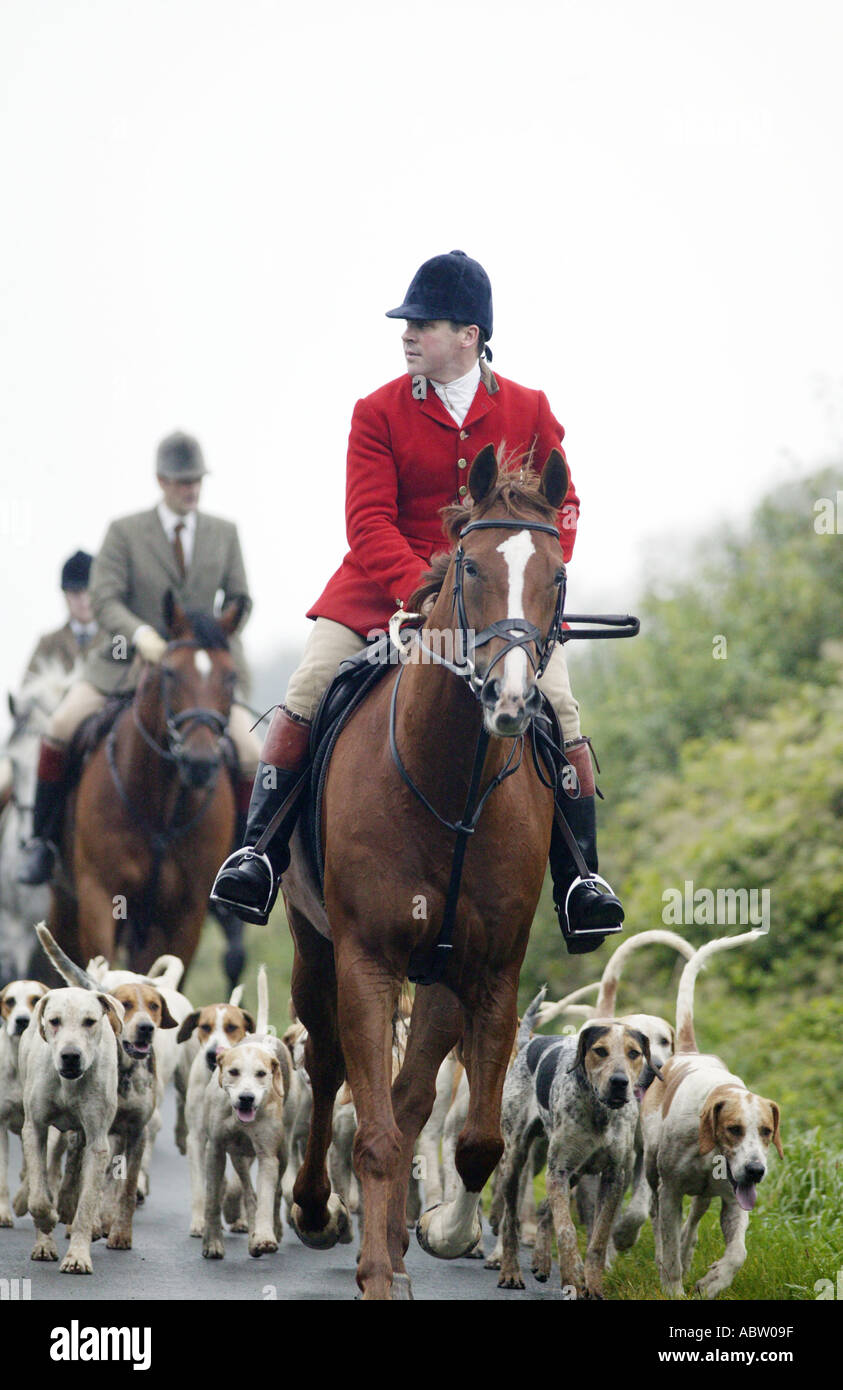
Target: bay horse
x=388, y=858
x=152, y=814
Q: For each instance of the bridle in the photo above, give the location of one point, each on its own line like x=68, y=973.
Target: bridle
x=515, y=632
x=180, y=725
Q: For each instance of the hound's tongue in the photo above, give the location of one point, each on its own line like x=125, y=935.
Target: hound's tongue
x=244, y=1114
x=746, y=1195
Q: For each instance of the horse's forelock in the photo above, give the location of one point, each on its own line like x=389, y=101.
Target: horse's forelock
x=517, y=491
x=207, y=632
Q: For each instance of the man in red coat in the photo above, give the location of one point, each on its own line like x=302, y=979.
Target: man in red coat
x=409, y=451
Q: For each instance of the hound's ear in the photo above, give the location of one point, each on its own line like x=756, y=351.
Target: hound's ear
x=554, y=479
x=167, y=1020
x=188, y=1026
x=3, y=993
x=38, y=1015
x=483, y=473
x=644, y=1043
x=232, y=615
x=114, y=1012
x=708, y=1124
x=776, y=1140
x=250, y=1022
x=277, y=1079
x=221, y=1056
x=586, y=1039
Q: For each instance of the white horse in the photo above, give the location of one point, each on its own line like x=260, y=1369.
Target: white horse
x=21, y=906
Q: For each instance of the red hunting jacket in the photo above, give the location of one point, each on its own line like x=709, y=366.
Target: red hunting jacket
x=407, y=458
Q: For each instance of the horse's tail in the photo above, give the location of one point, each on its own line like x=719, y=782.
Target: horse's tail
x=528, y=1022
x=74, y=974
x=235, y=996
x=263, y=1002
x=610, y=980
x=166, y=971
x=685, y=1037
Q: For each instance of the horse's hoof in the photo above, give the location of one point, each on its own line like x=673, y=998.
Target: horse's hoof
x=337, y=1228
x=402, y=1289
x=435, y=1241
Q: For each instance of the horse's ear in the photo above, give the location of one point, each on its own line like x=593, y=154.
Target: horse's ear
x=175, y=619
x=232, y=615
x=483, y=473
x=554, y=479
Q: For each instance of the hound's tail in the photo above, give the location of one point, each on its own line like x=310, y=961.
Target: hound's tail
x=235, y=996
x=547, y=1012
x=263, y=1002
x=685, y=1037
x=68, y=969
x=530, y=1019
x=605, y=1007
x=166, y=971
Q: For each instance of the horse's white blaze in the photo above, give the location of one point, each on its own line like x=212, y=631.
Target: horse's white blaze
x=516, y=550
x=453, y=1225
x=203, y=663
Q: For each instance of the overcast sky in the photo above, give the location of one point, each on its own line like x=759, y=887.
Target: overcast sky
x=207, y=208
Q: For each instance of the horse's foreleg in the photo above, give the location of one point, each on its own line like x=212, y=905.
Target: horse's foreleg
x=98, y=911
x=368, y=994
x=319, y=1218
x=436, y=1026
x=453, y=1228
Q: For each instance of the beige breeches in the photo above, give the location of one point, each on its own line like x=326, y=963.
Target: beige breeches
x=330, y=643
x=83, y=699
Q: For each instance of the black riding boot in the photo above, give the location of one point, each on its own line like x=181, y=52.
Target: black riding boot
x=587, y=909
x=38, y=855
x=248, y=882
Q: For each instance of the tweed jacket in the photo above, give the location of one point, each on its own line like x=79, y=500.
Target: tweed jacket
x=130, y=578
x=61, y=646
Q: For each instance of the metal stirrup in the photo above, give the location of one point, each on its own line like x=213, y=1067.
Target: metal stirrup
x=590, y=931
x=242, y=856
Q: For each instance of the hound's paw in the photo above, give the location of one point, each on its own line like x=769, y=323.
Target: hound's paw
x=44, y=1214
x=20, y=1206
x=674, y=1289
x=76, y=1262
x=493, y=1261
x=45, y=1249
x=712, y=1283
x=239, y=1226
x=6, y=1218
x=119, y=1240
x=143, y=1188
x=478, y=1253
x=265, y=1245
x=539, y=1274
x=212, y=1248
x=511, y=1281
x=197, y=1229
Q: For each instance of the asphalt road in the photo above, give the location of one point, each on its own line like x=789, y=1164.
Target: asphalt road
x=166, y=1264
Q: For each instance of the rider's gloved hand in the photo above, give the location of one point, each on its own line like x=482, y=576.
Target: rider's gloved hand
x=149, y=644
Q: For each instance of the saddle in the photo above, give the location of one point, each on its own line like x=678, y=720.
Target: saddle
x=355, y=679
x=91, y=733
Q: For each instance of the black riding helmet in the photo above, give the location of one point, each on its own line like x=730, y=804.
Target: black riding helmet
x=453, y=287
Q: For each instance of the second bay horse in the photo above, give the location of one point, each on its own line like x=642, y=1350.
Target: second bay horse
x=154, y=810
x=389, y=844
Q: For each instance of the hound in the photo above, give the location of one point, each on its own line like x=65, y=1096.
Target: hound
x=581, y=1093
x=705, y=1135
x=17, y=1005
x=68, y=1068
x=165, y=975
x=144, y=1011
x=217, y=1027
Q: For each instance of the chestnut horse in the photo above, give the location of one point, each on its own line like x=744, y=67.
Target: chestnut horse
x=154, y=810
x=388, y=860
